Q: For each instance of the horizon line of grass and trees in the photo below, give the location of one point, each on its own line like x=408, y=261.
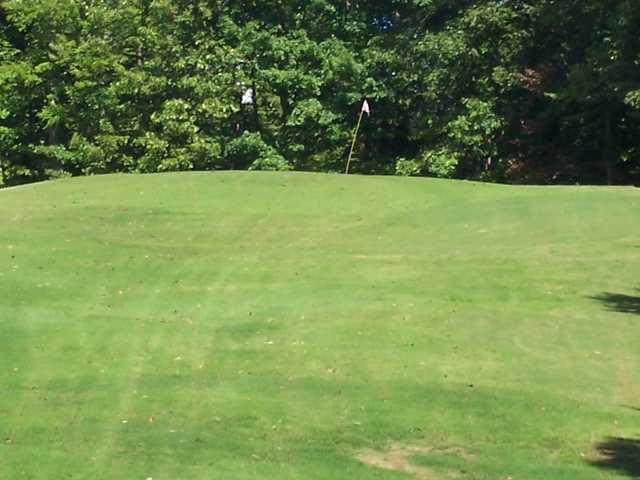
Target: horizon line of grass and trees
x=515, y=91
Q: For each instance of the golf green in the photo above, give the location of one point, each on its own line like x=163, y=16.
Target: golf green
x=310, y=326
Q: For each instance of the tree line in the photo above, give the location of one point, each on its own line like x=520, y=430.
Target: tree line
x=519, y=91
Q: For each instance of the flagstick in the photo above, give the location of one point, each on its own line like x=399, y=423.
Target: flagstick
x=353, y=144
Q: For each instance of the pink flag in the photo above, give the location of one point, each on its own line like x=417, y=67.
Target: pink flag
x=365, y=108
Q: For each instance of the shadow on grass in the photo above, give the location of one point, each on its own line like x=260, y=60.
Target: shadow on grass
x=619, y=454
x=619, y=302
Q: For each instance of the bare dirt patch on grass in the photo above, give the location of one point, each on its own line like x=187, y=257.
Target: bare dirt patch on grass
x=397, y=458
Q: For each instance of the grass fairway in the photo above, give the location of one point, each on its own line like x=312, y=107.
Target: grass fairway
x=306, y=326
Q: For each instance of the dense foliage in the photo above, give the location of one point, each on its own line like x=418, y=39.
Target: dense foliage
x=535, y=91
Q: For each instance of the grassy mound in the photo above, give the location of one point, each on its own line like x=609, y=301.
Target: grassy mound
x=292, y=326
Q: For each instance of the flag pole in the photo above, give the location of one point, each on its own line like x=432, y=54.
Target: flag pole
x=353, y=144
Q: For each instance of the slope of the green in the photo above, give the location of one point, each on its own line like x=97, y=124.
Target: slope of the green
x=276, y=326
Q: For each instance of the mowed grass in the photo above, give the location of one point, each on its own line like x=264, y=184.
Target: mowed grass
x=276, y=326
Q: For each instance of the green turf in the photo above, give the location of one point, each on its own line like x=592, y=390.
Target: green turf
x=273, y=326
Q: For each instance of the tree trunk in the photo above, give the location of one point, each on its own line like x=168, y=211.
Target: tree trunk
x=52, y=131
x=285, y=105
x=606, y=147
x=256, y=118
